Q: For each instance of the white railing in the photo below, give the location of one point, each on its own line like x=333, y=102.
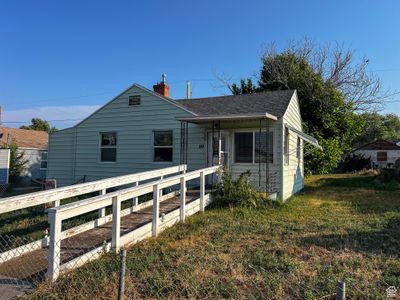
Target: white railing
x=58, y=214
x=55, y=195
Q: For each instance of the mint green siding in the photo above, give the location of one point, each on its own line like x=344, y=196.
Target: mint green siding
x=293, y=171
x=60, y=158
x=134, y=126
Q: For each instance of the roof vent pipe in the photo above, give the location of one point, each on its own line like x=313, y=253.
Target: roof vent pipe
x=188, y=92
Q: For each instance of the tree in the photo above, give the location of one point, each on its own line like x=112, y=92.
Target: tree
x=40, y=125
x=326, y=97
x=17, y=162
x=246, y=87
x=336, y=65
x=378, y=126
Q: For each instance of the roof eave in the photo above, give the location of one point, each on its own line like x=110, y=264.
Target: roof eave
x=205, y=119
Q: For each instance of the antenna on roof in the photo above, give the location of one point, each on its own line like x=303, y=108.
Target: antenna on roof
x=188, y=92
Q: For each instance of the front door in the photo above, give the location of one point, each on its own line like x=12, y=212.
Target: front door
x=219, y=153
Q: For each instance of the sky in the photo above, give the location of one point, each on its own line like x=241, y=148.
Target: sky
x=61, y=60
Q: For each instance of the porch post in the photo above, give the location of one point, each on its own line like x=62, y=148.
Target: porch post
x=259, y=157
x=267, y=143
x=219, y=143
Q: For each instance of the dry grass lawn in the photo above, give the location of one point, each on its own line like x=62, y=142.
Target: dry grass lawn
x=341, y=227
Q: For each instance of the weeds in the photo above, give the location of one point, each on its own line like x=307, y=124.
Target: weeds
x=240, y=192
x=293, y=251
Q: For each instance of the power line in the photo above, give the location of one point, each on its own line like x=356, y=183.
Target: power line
x=60, y=120
x=65, y=98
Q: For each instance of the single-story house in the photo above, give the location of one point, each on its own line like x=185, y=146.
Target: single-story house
x=382, y=153
x=142, y=129
x=33, y=144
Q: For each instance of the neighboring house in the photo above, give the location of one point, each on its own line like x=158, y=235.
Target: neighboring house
x=34, y=145
x=142, y=129
x=382, y=153
x=4, y=167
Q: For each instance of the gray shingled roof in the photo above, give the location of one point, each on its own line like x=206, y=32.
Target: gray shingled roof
x=272, y=102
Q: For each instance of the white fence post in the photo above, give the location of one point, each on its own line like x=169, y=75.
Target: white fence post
x=54, y=253
x=102, y=211
x=135, y=200
x=156, y=209
x=202, y=191
x=161, y=178
x=183, y=199
x=116, y=223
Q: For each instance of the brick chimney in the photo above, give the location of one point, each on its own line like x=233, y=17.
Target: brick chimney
x=162, y=88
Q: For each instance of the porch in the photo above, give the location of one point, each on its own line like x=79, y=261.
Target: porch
x=241, y=143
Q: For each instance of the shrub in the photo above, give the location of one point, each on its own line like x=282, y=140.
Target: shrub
x=239, y=192
x=17, y=162
x=355, y=162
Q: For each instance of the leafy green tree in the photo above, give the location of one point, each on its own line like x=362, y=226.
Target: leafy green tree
x=378, y=126
x=40, y=125
x=325, y=113
x=246, y=87
x=17, y=162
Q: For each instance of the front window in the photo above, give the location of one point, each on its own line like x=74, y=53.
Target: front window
x=254, y=147
x=108, y=147
x=163, y=147
x=43, y=160
x=382, y=156
x=244, y=147
x=263, y=145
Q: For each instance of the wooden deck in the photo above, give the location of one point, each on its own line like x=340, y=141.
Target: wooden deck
x=33, y=265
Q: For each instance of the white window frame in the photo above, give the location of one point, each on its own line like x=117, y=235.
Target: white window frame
x=286, y=145
x=44, y=160
x=253, y=131
x=101, y=147
x=298, y=150
x=154, y=146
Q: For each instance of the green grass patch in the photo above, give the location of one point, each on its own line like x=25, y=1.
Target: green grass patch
x=363, y=181
x=298, y=250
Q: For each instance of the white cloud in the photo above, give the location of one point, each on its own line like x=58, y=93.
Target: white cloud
x=59, y=116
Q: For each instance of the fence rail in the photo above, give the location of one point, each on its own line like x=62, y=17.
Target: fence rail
x=19, y=202
x=60, y=213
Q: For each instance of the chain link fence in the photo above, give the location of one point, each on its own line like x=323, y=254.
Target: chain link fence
x=98, y=272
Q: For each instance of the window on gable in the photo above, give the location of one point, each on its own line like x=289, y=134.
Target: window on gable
x=43, y=160
x=108, y=146
x=134, y=100
x=163, y=146
x=382, y=156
